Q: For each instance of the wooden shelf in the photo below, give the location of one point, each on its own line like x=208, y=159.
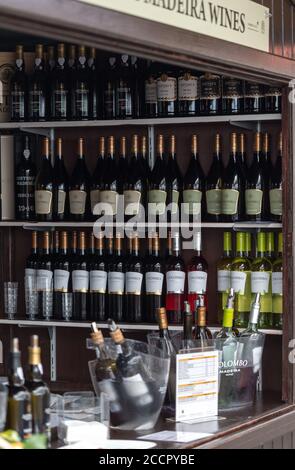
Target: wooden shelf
x=140, y=122
x=103, y=325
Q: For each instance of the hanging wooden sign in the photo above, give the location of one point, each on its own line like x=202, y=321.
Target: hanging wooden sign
x=239, y=21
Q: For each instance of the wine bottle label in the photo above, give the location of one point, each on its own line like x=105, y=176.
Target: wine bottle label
x=116, y=283
x=238, y=281
x=232, y=88
x=230, y=201
x=80, y=281
x=224, y=278
x=151, y=96
x=253, y=90
x=133, y=283
x=124, y=101
x=192, y=200
x=98, y=281
x=253, y=201
x=157, y=202
x=37, y=103
x=260, y=282
x=44, y=280
x=175, y=282
x=25, y=194
x=154, y=283
x=197, y=282
x=136, y=387
x=131, y=202
x=110, y=198
x=210, y=88
x=30, y=272
x=277, y=283
x=77, y=202
x=276, y=201
x=61, y=280
x=166, y=88
x=214, y=201
x=60, y=103
x=243, y=300
x=188, y=88
x=94, y=198
x=43, y=202
x=61, y=201
x=18, y=104
x=82, y=102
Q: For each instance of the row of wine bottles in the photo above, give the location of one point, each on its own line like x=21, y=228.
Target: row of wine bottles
x=28, y=401
x=230, y=194
x=76, y=86
x=130, y=287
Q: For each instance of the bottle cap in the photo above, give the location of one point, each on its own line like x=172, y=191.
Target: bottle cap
x=162, y=318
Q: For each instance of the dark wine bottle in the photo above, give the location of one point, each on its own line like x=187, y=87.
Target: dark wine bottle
x=188, y=94
x=80, y=280
x=94, y=83
x=33, y=258
x=193, y=184
x=98, y=280
x=201, y=332
x=79, y=186
x=273, y=99
x=158, y=184
x=174, y=181
x=18, y=88
x=187, y=327
x=71, y=68
x=145, y=168
x=44, y=186
x=154, y=279
x=243, y=156
x=151, y=95
x=213, y=185
x=210, y=94
x=257, y=186
x=116, y=282
x=60, y=185
x=19, y=417
x=25, y=176
x=175, y=282
x=97, y=177
x=50, y=60
x=124, y=90
x=40, y=394
x=232, y=95
x=44, y=273
x=109, y=89
x=233, y=187
x=123, y=165
x=60, y=93
x=134, y=278
x=81, y=88
x=134, y=186
x=61, y=273
x=110, y=185
x=276, y=186
x=167, y=93
x=38, y=88
x=254, y=98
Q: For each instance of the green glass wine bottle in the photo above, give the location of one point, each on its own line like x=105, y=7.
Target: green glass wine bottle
x=261, y=282
x=241, y=282
x=223, y=274
x=277, y=287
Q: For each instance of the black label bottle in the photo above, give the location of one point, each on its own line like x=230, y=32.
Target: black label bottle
x=79, y=187
x=38, y=88
x=124, y=90
x=81, y=88
x=25, y=185
x=174, y=182
x=33, y=258
x=60, y=93
x=232, y=95
x=150, y=91
x=210, y=94
x=135, y=183
x=188, y=94
x=19, y=417
x=273, y=99
x=44, y=186
x=254, y=98
x=60, y=184
x=193, y=185
x=109, y=89
x=167, y=94
x=18, y=88
x=133, y=284
x=109, y=192
x=94, y=83
x=158, y=184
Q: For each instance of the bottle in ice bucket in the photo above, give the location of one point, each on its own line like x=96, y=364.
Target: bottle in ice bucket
x=107, y=379
x=187, y=327
x=252, y=330
x=140, y=390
